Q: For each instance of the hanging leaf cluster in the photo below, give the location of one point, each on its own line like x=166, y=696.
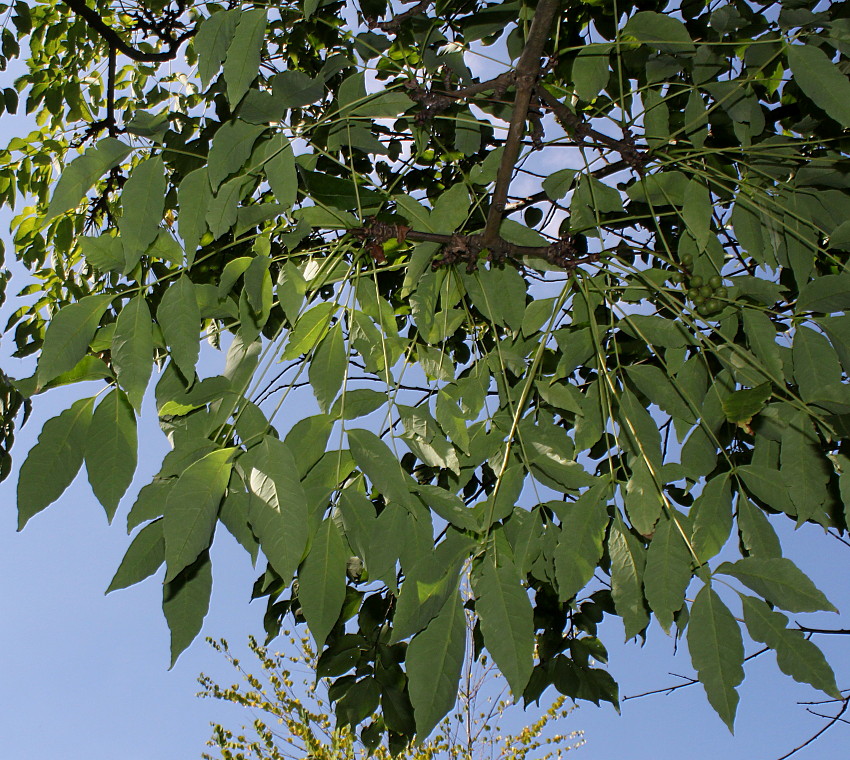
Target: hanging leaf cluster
x=547, y=297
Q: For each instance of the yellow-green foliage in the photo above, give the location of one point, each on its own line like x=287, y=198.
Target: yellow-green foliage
x=292, y=719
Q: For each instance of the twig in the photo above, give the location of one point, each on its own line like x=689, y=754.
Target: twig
x=818, y=734
x=688, y=681
x=666, y=690
x=527, y=73
x=95, y=22
x=836, y=631
x=626, y=147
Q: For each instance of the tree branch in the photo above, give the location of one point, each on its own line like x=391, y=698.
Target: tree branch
x=527, y=73
x=818, y=734
x=109, y=35
x=567, y=252
x=580, y=128
x=395, y=23
x=836, y=631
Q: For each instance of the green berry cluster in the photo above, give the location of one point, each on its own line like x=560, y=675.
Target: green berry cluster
x=707, y=296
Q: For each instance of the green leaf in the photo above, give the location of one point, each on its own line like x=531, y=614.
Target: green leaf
x=761, y=335
x=434, y=661
x=309, y=330
x=132, y=349
x=103, y=252
x=662, y=189
x=54, y=461
x=640, y=431
x=591, y=71
x=816, y=363
x=234, y=516
x=231, y=148
x=357, y=403
x=642, y=498
x=150, y=503
x=821, y=80
x=321, y=581
x=825, y=294
x=667, y=333
x=579, y=549
x=757, y=534
x=656, y=386
x=280, y=170
x=294, y=89
x=180, y=319
x=628, y=559
x=660, y=31
x=242, y=62
x=450, y=209
x=68, y=336
x=712, y=517
x=185, y=602
x=384, y=105
x=668, y=571
x=78, y=177
x=506, y=619
x=193, y=197
x=143, y=201
x=697, y=211
x=796, y=656
x=743, y=405
x=748, y=229
x=717, y=652
x=381, y=466
x=191, y=511
x=779, y=581
x=558, y=184
x=212, y=40
x=278, y=511
x=805, y=470
x=223, y=209
x=143, y=558
x=111, y=450
x=328, y=367
x=450, y=507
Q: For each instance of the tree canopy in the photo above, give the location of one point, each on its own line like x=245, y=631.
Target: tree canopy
x=530, y=309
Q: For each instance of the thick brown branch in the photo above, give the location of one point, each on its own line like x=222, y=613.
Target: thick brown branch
x=527, y=73
x=567, y=253
x=109, y=35
x=434, y=102
x=581, y=130
x=395, y=23
x=110, y=93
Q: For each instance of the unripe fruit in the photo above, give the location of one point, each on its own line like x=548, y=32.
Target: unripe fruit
x=697, y=281
x=721, y=292
x=715, y=281
x=706, y=291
